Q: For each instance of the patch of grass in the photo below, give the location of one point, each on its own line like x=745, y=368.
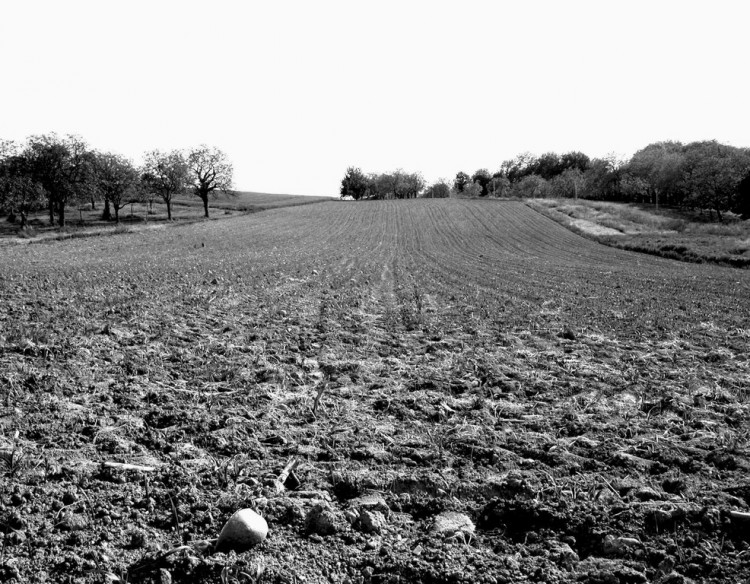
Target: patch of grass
x=675, y=234
x=85, y=221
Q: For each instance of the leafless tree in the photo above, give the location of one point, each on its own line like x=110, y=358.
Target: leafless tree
x=209, y=172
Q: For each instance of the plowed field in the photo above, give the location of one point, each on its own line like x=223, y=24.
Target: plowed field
x=585, y=407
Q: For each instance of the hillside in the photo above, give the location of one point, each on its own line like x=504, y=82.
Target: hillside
x=251, y=201
x=85, y=221
x=686, y=235
x=585, y=407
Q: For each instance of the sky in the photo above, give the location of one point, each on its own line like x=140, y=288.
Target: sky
x=297, y=91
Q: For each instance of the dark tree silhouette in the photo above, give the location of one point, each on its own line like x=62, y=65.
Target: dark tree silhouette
x=166, y=174
x=209, y=171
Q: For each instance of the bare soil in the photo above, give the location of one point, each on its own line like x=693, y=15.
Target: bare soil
x=584, y=407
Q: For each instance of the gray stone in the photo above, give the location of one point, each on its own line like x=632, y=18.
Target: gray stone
x=371, y=502
x=372, y=521
x=242, y=531
x=647, y=494
x=451, y=524
x=613, y=545
x=674, y=578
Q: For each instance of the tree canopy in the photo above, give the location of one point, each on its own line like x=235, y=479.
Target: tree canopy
x=398, y=184
x=63, y=167
x=165, y=174
x=209, y=172
x=354, y=184
x=57, y=171
x=117, y=180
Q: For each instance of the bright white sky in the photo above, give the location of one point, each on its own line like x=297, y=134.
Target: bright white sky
x=296, y=91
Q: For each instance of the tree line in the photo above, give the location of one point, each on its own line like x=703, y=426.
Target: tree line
x=390, y=185
x=704, y=175
x=55, y=172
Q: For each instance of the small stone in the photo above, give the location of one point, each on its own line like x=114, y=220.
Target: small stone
x=617, y=546
x=674, y=578
x=451, y=523
x=164, y=576
x=243, y=530
x=647, y=494
x=372, y=502
x=372, y=521
x=351, y=515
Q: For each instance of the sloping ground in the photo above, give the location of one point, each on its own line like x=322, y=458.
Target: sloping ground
x=251, y=201
x=585, y=407
x=671, y=233
x=88, y=222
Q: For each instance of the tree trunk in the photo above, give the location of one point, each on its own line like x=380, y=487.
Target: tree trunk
x=205, y=205
x=117, y=214
x=51, y=211
x=169, y=210
x=93, y=204
x=107, y=213
x=61, y=214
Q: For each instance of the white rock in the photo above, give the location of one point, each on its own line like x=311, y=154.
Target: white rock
x=373, y=502
x=619, y=546
x=372, y=521
x=243, y=530
x=450, y=523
